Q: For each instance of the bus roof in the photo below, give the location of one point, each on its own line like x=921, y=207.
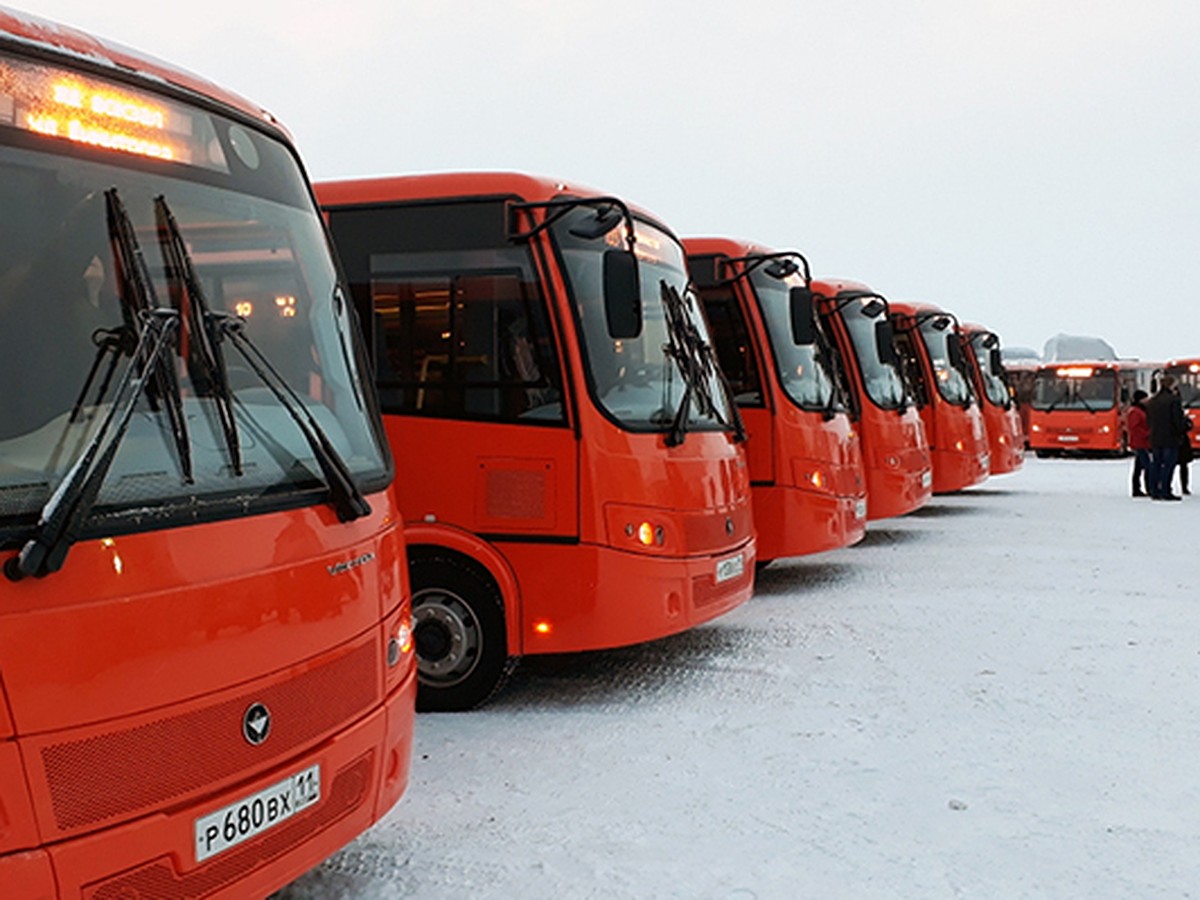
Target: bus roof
x=445, y=185
x=907, y=308
x=726, y=246
x=22, y=30
x=831, y=287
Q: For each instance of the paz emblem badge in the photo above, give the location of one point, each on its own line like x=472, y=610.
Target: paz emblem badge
x=256, y=724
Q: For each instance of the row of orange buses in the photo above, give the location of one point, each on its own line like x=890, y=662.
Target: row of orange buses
x=249, y=501
x=605, y=402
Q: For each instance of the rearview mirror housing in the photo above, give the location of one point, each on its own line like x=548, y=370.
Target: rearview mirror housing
x=622, y=295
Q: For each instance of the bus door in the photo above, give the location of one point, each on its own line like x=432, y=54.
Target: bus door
x=466, y=365
x=465, y=353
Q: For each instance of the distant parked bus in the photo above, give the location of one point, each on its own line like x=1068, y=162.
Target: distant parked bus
x=938, y=367
x=788, y=381
x=895, y=453
x=1187, y=375
x=1078, y=408
x=206, y=669
x=573, y=477
x=1002, y=422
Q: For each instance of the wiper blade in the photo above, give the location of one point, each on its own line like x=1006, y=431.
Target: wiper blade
x=68, y=507
x=199, y=343
x=346, y=498
x=207, y=329
x=138, y=299
x=696, y=361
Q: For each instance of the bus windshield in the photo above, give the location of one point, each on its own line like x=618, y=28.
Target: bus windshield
x=1188, y=379
x=1088, y=390
x=883, y=383
x=87, y=168
x=994, y=387
x=634, y=380
x=804, y=369
x=951, y=381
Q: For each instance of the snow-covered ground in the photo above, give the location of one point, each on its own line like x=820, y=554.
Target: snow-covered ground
x=997, y=696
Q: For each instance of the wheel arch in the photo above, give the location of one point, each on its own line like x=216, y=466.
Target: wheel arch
x=427, y=540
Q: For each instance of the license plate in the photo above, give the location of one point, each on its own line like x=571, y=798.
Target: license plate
x=730, y=568
x=860, y=509
x=231, y=825
x=1068, y=438
x=926, y=479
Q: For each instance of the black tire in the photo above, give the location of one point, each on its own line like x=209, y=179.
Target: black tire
x=459, y=634
x=1041, y=454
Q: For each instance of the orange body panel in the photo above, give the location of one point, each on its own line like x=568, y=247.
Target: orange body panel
x=1006, y=439
x=550, y=511
x=806, y=467
x=156, y=639
x=127, y=676
x=957, y=441
x=895, y=453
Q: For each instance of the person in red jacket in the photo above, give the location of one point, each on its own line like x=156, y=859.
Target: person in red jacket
x=1139, y=442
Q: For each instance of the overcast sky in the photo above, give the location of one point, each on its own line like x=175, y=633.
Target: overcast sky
x=1033, y=165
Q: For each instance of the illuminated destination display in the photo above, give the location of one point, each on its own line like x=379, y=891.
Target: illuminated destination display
x=98, y=113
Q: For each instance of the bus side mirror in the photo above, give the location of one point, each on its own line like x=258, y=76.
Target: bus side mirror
x=954, y=349
x=883, y=343
x=995, y=363
x=804, y=329
x=622, y=295
x=873, y=307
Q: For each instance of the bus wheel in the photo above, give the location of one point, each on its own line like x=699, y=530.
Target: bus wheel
x=458, y=629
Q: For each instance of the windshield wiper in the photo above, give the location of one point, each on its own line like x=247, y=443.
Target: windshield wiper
x=696, y=361
x=68, y=507
x=210, y=328
x=199, y=345
x=347, y=500
x=137, y=297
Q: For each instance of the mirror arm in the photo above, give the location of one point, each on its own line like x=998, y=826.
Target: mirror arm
x=752, y=262
x=556, y=209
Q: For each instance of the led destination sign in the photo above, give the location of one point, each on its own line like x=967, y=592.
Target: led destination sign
x=60, y=103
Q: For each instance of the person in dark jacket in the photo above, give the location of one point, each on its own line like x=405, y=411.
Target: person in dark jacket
x=1165, y=416
x=1139, y=442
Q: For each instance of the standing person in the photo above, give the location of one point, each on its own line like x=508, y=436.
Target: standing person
x=1139, y=443
x=1164, y=414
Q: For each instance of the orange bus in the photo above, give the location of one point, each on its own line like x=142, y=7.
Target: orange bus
x=206, y=676
x=806, y=469
x=574, y=475
x=1187, y=377
x=935, y=364
x=1001, y=420
x=895, y=453
x=1079, y=408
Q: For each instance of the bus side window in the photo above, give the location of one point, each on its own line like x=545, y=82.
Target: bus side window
x=464, y=346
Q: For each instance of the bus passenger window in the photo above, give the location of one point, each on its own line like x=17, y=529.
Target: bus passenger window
x=469, y=346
